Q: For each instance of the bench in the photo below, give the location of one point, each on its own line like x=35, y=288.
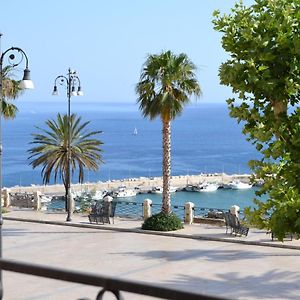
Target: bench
x=233, y=224
x=102, y=212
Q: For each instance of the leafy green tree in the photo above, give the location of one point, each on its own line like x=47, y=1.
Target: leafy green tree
x=10, y=91
x=166, y=83
x=263, y=42
x=51, y=149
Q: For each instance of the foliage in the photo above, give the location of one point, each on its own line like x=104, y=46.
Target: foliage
x=10, y=91
x=86, y=201
x=167, y=82
x=4, y=210
x=163, y=222
x=85, y=205
x=51, y=149
x=263, y=41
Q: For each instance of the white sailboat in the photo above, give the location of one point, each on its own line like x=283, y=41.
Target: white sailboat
x=135, y=131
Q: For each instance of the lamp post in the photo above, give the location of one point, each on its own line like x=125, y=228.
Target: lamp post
x=13, y=54
x=70, y=81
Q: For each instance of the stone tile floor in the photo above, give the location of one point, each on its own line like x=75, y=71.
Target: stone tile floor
x=199, y=258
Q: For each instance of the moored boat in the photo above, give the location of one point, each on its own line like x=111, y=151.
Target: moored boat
x=190, y=188
x=87, y=195
x=173, y=189
x=124, y=192
x=99, y=195
x=45, y=198
x=159, y=189
x=207, y=187
x=239, y=185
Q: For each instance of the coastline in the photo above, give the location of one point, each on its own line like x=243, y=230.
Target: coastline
x=143, y=183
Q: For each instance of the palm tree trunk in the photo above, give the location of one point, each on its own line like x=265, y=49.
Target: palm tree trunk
x=166, y=201
x=66, y=186
x=66, y=195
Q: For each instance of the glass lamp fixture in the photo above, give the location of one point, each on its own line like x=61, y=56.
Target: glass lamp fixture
x=55, y=91
x=73, y=92
x=79, y=92
x=26, y=82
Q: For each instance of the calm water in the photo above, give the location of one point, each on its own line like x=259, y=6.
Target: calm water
x=220, y=199
x=204, y=139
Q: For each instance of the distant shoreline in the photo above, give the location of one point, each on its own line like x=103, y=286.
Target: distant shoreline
x=141, y=182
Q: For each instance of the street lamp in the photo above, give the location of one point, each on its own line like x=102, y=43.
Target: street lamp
x=15, y=58
x=70, y=81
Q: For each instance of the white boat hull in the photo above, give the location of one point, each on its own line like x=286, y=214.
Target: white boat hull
x=159, y=190
x=242, y=187
x=124, y=193
x=239, y=185
x=210, y=187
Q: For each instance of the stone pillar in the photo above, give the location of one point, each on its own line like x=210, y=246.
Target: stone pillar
x=108, y=198
x=5, y=198
x=189, y=213
x=234, y=210
x=147, y=208
x=37, y=200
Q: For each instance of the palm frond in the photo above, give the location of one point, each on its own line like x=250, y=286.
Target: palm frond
x=167, y=82
x=51, y=148
x=10, y=91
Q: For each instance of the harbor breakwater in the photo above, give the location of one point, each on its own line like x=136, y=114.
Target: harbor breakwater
x=143, y=183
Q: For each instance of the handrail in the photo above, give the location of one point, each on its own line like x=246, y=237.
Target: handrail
x=107, y=283
x=130, y=208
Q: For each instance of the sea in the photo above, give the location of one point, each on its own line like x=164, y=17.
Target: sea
x=204, y=140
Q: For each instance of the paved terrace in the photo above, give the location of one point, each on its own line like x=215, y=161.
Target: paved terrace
x=200, y=258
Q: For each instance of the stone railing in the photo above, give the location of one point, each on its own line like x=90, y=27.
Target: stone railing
x=21, y=200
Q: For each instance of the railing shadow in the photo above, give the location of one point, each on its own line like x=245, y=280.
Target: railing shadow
x=107, y=284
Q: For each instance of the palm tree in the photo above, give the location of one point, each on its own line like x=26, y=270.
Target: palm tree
x=10, y=91
x=166, y=83
x=52, y=148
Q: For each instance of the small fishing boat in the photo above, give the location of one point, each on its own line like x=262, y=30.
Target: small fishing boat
x=239, y=185
x=207, y=187
x=124, y=192
x=45, y=198
x=159, y=189
x=190, y=188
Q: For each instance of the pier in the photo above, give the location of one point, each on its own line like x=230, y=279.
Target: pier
x=143, y=183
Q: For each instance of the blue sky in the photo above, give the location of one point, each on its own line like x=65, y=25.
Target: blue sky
x=108, y=41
